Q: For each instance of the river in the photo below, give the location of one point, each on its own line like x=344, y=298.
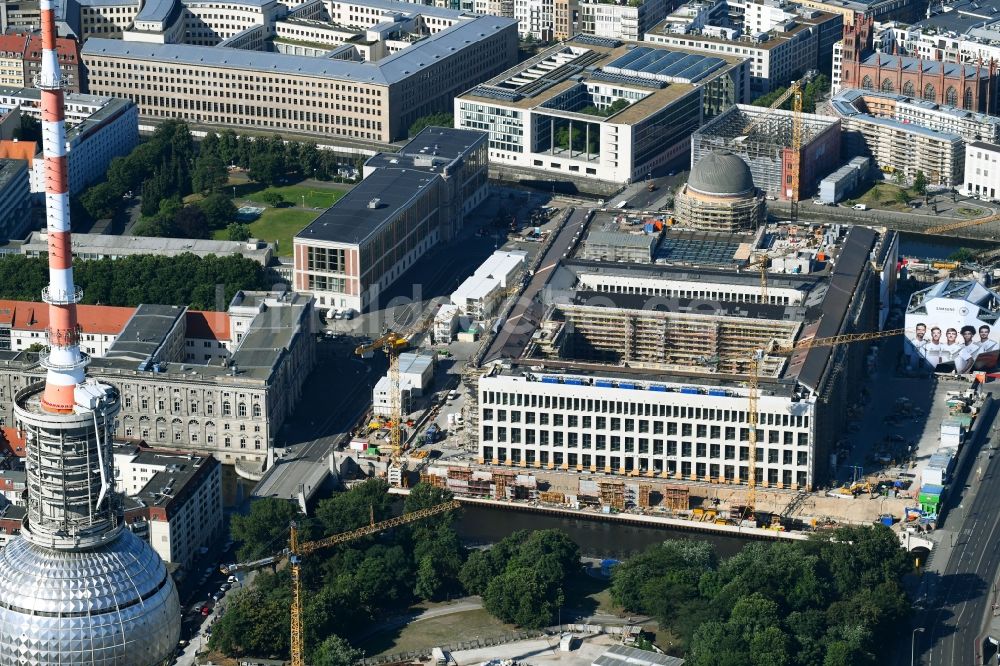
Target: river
x=923, y=246
x=596, y=538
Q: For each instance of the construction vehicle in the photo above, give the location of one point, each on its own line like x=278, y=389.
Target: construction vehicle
x=775, y=348
x=392, y=345
x=297, y=551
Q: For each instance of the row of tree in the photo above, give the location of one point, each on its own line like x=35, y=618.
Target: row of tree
x=813, y=92
x=183, y=280
x=830, y=601
x=521, y=579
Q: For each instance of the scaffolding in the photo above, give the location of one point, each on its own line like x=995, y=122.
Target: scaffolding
x=764, y=147
x=676, y=498
x=661, y=340
x=612, y=494
x=645, y=489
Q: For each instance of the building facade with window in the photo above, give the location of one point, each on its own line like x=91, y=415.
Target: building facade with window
x=606, y=111
x=982, y=170
x=236, y=88
x=229, y=407
x=407, y=203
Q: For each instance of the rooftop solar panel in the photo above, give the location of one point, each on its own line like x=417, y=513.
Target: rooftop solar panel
x=647, y=62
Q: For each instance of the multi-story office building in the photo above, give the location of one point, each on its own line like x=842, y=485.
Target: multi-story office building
x=376, y=101
x=611, y=382
x=627, y=21
x=231, y=406
x=407, y=203
x=982, y=170
x=173, y=500
x=780, y=44
x=599, y=109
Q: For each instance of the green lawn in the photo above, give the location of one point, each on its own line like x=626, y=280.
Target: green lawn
x=278, y=224
x=315, y=197
x=443, y=630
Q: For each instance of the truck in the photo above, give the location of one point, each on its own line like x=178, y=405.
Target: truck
x=432, y=434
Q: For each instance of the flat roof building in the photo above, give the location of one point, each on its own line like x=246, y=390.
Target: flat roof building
x=642, y=370
x=377, y=101
x=173, y=500
x=15, y=199
x=407, y=203
x=101, y=246
x=596, y=109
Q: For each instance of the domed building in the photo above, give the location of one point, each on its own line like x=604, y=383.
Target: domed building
x=720, y=195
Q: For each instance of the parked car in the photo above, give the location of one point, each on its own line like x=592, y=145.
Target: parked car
x=205, y=610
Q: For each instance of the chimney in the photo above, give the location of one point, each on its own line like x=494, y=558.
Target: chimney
x=64, y=363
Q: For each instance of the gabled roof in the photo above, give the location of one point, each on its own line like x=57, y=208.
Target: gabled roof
x=94, y=319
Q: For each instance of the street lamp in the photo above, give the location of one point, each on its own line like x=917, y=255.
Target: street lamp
x=913, y=644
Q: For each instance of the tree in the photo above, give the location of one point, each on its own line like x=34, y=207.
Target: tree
x=100, y=201
x=264, y=530
x=238, y=232
x=920, y=183
x=257, y=621
x=29, y=129
x=219, y=210
x=523, y=597
x=350, y=510
x=267, y=168
x=190, y=222
x=431, y=120
x=335, y=651
x=210, y=173
x=272, y=198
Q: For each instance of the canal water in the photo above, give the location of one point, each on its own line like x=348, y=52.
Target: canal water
x=923, y=246
x=479, y=525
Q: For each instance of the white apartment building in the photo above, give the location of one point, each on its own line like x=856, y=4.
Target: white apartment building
x=982, y=170
x=618, y=424
x=99, y=129
x=625, y=21
x=173, y=500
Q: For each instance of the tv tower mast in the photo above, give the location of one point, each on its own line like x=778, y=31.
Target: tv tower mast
x=76, y=587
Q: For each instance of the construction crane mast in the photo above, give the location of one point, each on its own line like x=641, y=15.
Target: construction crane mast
x=794, y=92
x=297, y=551
x=392, y=344
x=775, y=348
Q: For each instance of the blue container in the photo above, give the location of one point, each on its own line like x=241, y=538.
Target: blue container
x=718, y=392
x=550, y=380
x=658, y=388
x=604, y=383
x=886, y=520
x=689, y=390
x=572, y=381
x=626, y=385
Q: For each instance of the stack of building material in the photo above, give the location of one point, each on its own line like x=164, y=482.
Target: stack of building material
x=458, y=480
x=938, y=468
x=552, y=497
x=952, y=432
x=613, y=494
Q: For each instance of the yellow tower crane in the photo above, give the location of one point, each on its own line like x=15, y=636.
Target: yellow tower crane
x=297, y=551
x=962, y=224
x=392, y=344
x=794, y=92
x=775, y=348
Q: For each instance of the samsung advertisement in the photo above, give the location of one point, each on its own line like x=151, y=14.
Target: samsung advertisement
x=949, y=330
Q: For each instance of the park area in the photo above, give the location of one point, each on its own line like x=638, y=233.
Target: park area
x=287, y=208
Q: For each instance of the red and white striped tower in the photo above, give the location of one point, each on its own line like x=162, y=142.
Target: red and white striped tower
x=64, y=361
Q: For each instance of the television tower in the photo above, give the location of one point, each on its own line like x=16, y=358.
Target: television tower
x=77, y=587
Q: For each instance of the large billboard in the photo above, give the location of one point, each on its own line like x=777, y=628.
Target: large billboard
x=950, y=335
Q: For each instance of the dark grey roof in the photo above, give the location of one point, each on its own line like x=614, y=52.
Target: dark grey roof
x=269, y=336
x=446, y=142
x=145, y=333
x=847, y=274
x=698, y=306
x=721, y=173
x=352, y=220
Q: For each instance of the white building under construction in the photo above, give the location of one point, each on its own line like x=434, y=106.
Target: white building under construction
x=642, y=370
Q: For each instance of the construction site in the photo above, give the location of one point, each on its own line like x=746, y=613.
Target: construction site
x=765, y=139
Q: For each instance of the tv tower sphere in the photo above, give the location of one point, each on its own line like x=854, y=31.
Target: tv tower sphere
x=77, y=587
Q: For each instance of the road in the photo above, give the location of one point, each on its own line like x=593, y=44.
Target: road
x=520, y=324
x=958, y=598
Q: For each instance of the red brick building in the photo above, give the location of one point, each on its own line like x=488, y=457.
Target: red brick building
x=973, y=87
